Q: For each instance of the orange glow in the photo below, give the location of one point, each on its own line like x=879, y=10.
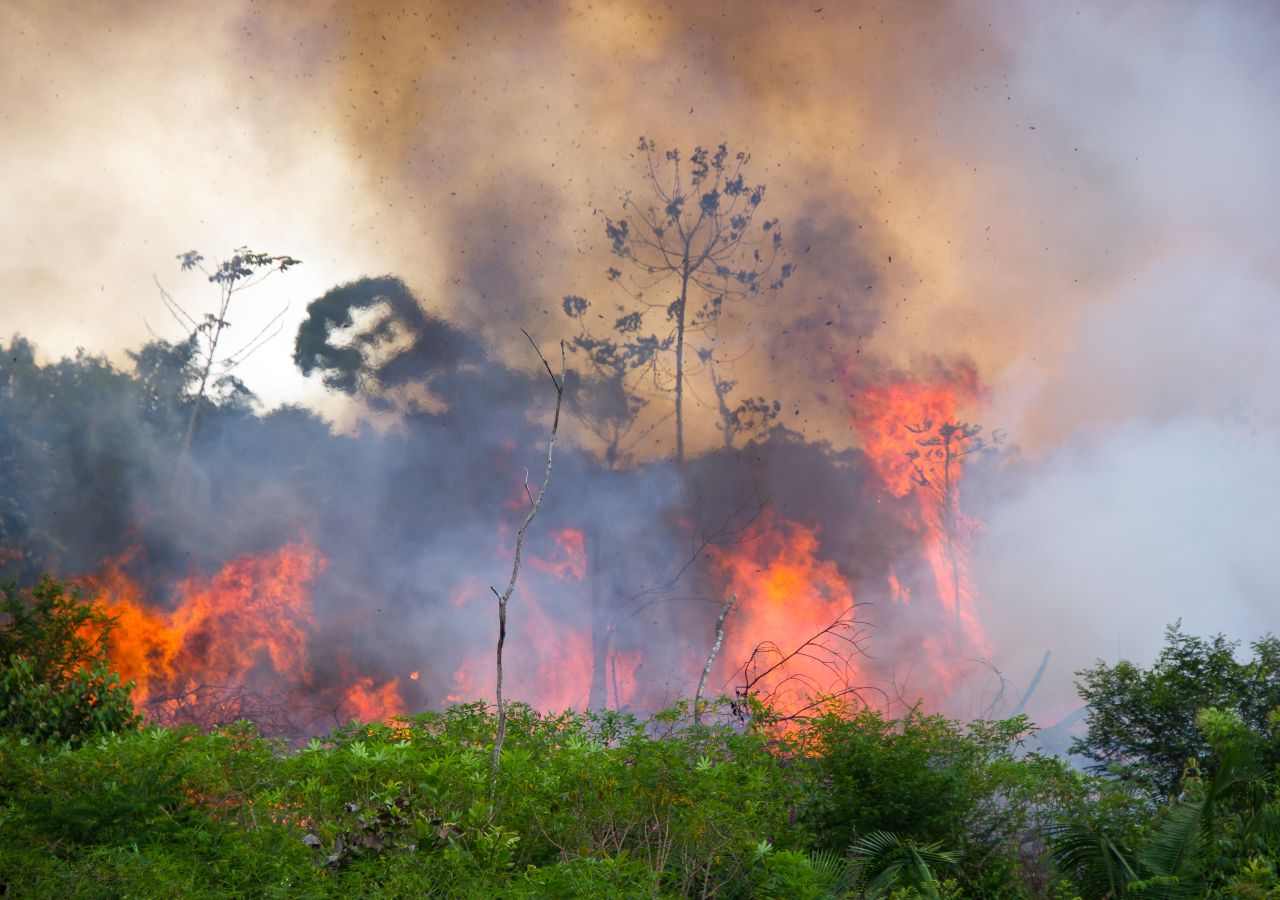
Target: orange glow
x=893, y=421
x=367, y=702
x=570, y=562
x=240, y=633
x=623, y=682
x=253, y=614
x=897, y=590
x=786, y=596
x=548, y=655
x=555, y=671
x=469, y=681
x=884, y=414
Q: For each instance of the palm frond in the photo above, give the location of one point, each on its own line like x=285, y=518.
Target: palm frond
x=1099, y=867
x=838, y=873
x=896, y=862
x=1177, y=843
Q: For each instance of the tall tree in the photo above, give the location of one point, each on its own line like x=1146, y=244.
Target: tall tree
x=692, y=245
x=245, y=269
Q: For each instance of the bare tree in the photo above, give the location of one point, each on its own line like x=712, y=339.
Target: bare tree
x=711, y=658
x=681, y=582
x=770, y=672
x=937, y=467
x=245, y=269
x=535, y=500
x=692, y=245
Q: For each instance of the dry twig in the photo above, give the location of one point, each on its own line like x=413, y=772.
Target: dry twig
x=534, y=502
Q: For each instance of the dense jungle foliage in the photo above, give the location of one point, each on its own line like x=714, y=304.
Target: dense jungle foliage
x=96, y=803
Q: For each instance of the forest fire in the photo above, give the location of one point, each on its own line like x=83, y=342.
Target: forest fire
x=552, y=667
x=260, y=635
x=791, y=633
x=233, y=644
x=912, y=433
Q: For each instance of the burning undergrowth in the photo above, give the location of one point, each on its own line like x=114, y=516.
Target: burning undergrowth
x=300, y=577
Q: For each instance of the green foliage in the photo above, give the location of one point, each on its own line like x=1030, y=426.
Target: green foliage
x=76, y=438
x=55, y=684
x=609, y=805
x=936, y=782
x=791, y=875
x=1142, y=723
x=892, y=863
x=1206, y=843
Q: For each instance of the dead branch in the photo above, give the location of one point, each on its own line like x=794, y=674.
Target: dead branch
x=1035, y=683
x=991, y=709
x=505, y=596
x=711, y=658
x=832, y=647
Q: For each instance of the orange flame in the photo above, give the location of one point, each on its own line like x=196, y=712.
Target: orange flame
x=548, y=657
x=570, y=563
x=894, y=420
x=367, y=702
x=255, y=612
x=244, y=629
x=786, y=597
x=884, y=415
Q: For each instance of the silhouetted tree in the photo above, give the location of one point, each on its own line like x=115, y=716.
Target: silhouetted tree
x=752, y=414
x=691, y=246
x=245, y=269
x=937, y=469
x=397, y=343
x=1144, y=724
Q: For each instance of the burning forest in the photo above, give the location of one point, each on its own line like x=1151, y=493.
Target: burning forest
x=270, y=572
x=712, y=394
x=804, y=296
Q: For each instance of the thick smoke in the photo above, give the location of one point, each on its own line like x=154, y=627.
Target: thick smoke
x=1077, y=198
x=1146, y=494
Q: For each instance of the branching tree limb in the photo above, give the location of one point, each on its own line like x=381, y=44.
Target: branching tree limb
x=768, y=674
x=535, y=500
x=246, y=268
x=937, y=468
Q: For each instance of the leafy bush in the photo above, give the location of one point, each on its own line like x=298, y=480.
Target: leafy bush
x=55, y=681
x=937, y=782
x=609, y=805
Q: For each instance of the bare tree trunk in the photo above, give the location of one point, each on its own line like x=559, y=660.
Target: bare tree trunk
x=680, y=323
x=954, y=561
x=711, y=658
x=1035, y=683
x=951, y=509
x=534, y=502
x=204, y=381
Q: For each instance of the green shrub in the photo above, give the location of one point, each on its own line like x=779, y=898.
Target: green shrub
x=55, y=681
x=789, y=875
x=971, y=788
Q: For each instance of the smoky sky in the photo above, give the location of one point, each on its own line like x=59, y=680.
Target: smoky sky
x=1076, y=197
